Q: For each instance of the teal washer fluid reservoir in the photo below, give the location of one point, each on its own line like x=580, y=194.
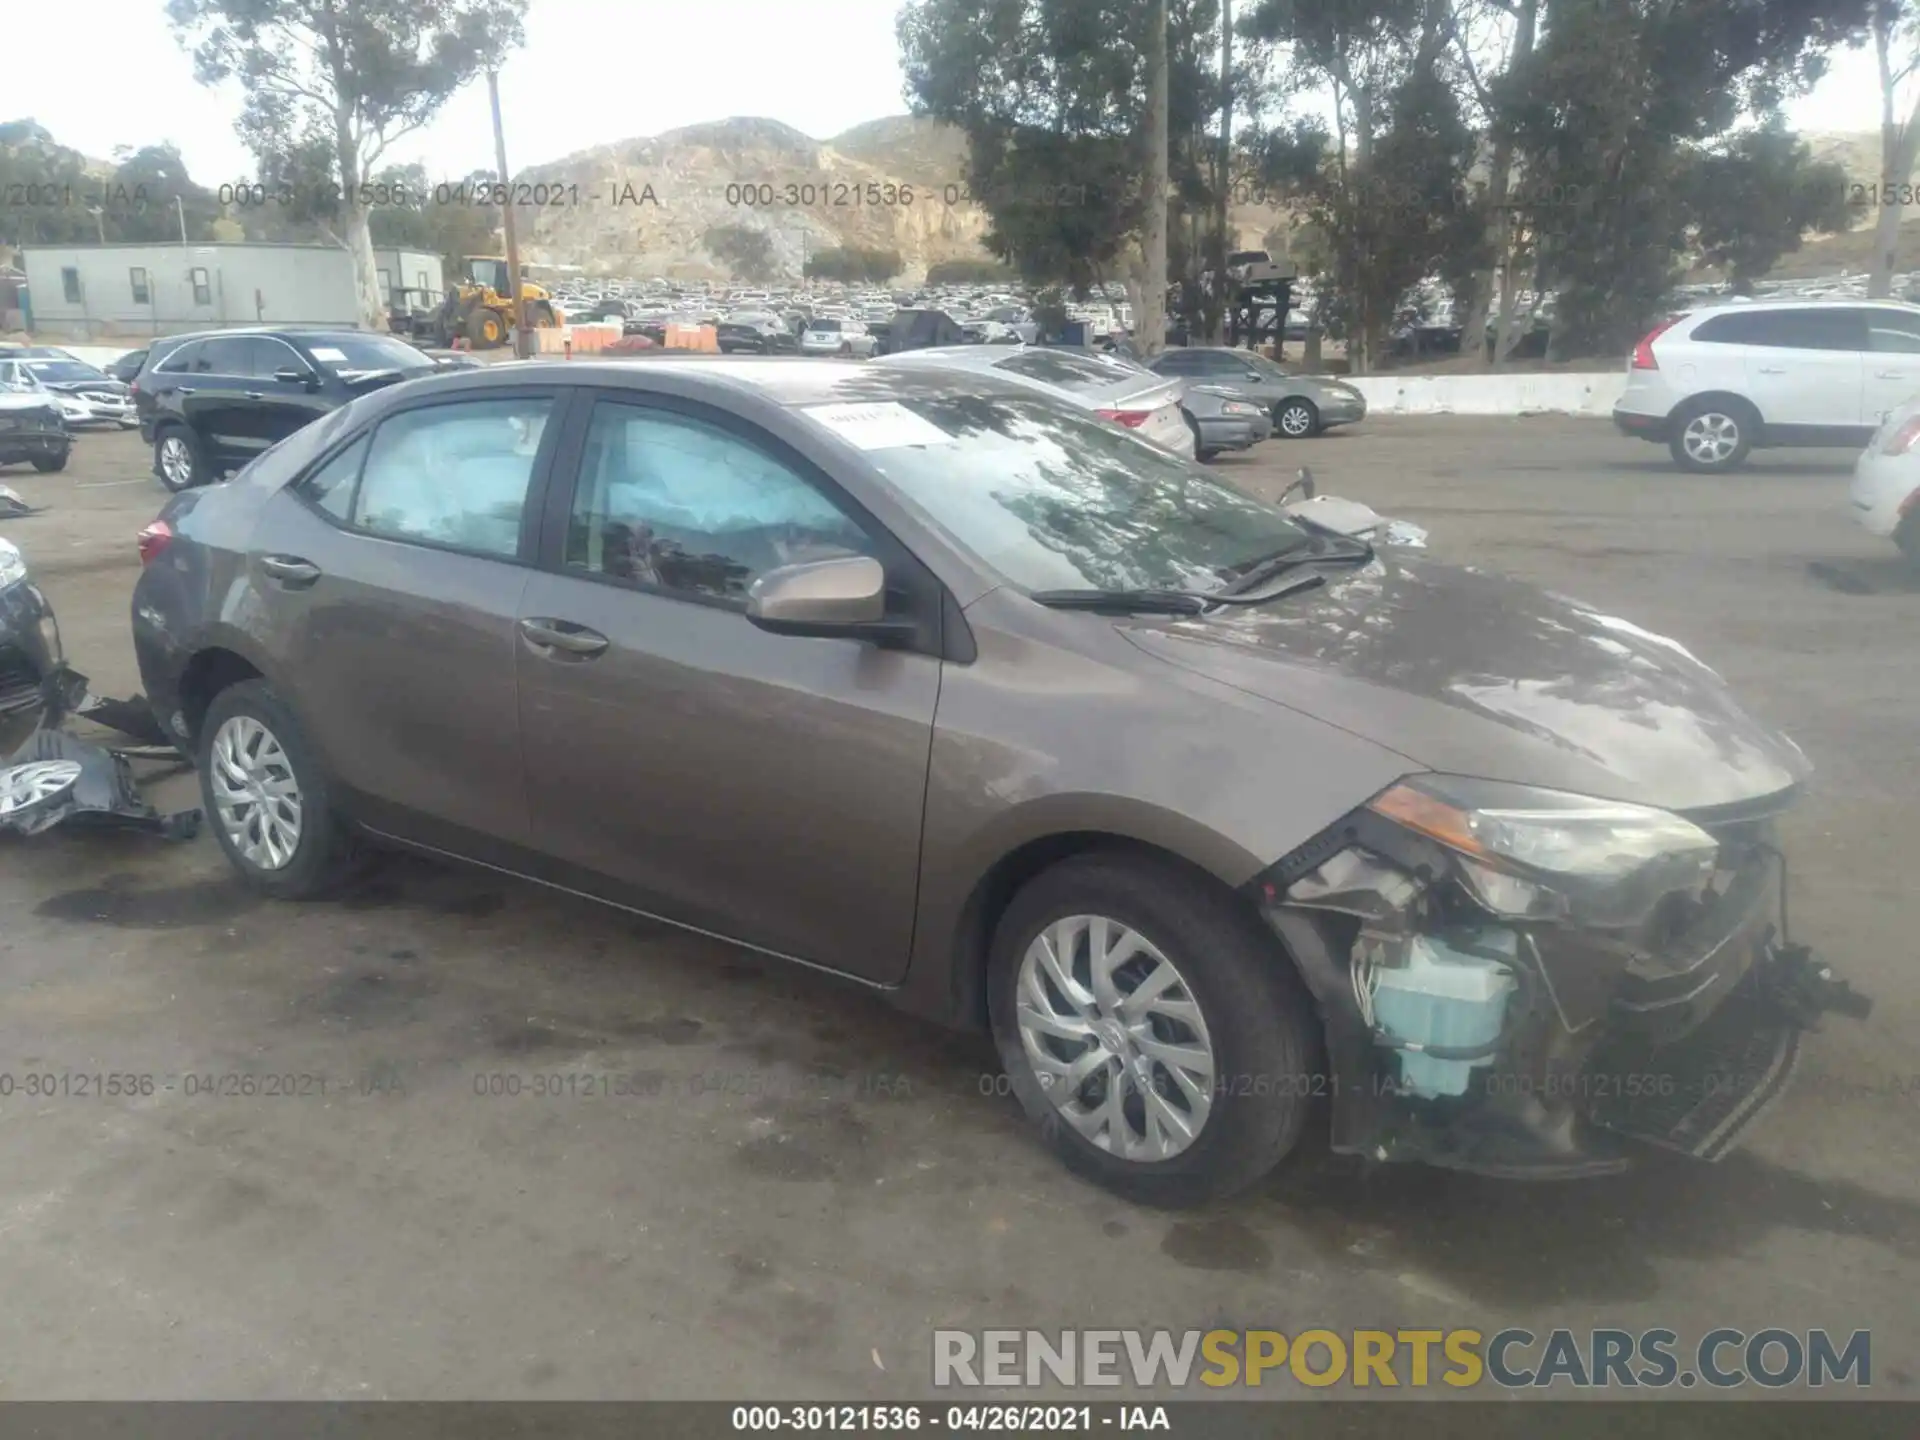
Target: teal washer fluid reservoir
x=1445, y=998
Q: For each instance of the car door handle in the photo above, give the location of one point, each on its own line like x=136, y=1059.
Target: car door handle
x=290, y=570
x=1772, y=370
x=186, y=390
x=1889, y=374
x=563, y=635
x=256, y=394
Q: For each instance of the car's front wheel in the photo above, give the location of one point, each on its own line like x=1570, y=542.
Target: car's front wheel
x=178, y=458
x=48, y=464
x=1152, y=1030
x=1711, y=435
x=1296, y=419
x=268, y=796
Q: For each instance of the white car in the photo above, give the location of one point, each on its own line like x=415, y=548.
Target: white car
x=1714, y=383
x=1145, y=403
x=1886, y=482
x=825, y=335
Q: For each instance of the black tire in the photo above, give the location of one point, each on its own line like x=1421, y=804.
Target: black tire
x=199, y=467
x=1300, y=414
x=1727, y=432
x=324, y=857
x=1256, y=1011
x=48, y=464
x=1907, y=537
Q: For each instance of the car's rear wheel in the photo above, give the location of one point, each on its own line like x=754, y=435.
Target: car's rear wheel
x=1296, y=419
x=268, y=796
x=48, y=464
x=179, y=459
x=1712, y=435
x=1154, y=1033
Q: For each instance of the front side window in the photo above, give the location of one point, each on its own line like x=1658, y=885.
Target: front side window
x=668, y=501
x=455, y=475
x=1893, y=332
x=1051, y=498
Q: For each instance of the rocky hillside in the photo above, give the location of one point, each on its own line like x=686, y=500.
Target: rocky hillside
x=647, y=206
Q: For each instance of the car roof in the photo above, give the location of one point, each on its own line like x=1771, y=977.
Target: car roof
x=785, y=382
x=1698, y=312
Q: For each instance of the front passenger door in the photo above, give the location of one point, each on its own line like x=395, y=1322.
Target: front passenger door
x=765, y=788
x=1893, y=361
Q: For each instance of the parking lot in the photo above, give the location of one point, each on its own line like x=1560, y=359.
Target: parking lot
x=744, y=1181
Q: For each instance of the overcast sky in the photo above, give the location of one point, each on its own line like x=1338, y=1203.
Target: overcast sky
x=592, y=72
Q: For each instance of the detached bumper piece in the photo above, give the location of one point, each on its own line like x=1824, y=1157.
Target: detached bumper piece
x=55, y=777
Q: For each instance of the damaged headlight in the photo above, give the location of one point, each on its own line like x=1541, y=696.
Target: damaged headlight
x=13, y=565
x=1532, y=854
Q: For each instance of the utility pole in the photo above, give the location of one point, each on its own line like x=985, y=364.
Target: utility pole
x=517, y=299
x=181, y=210
x=1222, y=293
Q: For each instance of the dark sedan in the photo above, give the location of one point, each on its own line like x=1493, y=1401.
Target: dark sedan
x=29, y=649
x=1217, y=815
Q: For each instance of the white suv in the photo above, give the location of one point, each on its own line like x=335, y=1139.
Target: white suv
x=1715, y=382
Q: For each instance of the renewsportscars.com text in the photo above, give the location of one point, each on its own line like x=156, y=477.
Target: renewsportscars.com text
x=1512, y=1359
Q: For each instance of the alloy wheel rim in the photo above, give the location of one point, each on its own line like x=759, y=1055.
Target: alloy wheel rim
x=255, y=793
x=22, y=787
x=175, y=462
x=1116, y=1038
x=1294, y=420
x=1711, y=438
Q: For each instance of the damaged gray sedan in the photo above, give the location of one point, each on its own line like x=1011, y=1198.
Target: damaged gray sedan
x=1221, y=814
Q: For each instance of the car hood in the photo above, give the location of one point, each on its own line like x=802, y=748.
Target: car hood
x=1471, y=673
x=103, y=386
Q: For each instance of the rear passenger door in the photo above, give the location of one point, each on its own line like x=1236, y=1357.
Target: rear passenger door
x=386, y=581
x=207, y=383
x=1806, y=367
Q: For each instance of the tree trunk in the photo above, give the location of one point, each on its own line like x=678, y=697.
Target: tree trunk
x=1151, y=332
x=370, y=303
x=1473, y=339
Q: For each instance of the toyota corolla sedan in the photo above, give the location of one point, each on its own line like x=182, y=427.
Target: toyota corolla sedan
x=1219, y=817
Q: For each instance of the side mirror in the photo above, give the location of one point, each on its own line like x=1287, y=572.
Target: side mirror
x=295, y=375
x=843, y=598
x=1303, y=483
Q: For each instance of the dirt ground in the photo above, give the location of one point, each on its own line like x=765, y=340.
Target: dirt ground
x=811, y=1183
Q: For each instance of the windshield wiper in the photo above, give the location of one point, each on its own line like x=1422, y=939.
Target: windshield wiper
x=1259, y=572
x=1124, y=602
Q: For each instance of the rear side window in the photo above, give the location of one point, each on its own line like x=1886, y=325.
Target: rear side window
x=223, y=357
x=1057, y=367
x=179, y=360
x=1834, y=329
x=453, y=475
x=330, y=488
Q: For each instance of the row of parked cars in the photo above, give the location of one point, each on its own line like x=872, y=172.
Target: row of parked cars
x=47, y=395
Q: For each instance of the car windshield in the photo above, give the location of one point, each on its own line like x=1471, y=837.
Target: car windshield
x=59, y=371
x=18, y=379
x=1053, y=499
x=359, y=354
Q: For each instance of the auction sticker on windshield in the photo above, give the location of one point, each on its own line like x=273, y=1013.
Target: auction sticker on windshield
x=880, y=425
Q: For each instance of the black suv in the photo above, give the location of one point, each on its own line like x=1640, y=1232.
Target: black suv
x=210, y=403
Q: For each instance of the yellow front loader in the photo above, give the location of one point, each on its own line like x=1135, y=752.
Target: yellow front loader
x=478, y=307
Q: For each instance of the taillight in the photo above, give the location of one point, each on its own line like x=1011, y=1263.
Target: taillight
x=1132, y=419
x=154, y=541
x=1900, y=441
x=1643, y=352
